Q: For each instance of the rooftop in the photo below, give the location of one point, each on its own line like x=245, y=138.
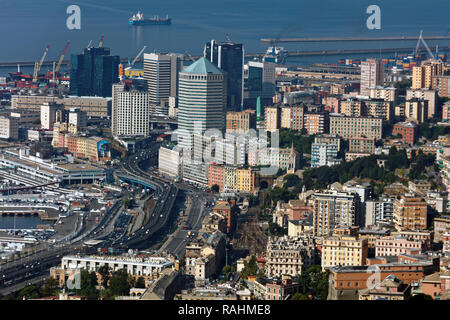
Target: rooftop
x=202, y=66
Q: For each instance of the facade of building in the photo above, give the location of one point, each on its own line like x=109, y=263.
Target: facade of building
x=161, y=73
x=348, y=127
x=344, y=250
x=408, y=130
x=332, y=209
x=324, y=154
x=442, y=85
x=9, y=128
x=361, y=145
x=93, y=106
x=229, y=57
x=372, y=74
x=133, y=266
x=48, y=114
x=410, y=213
x=201, y=101
x=93, y=72
x=272, y=119
x=289, y=256
x=240, y=121
x=170, y=161
x=396, y=245
x=416, y=110
x=425, y=94
x=130, y=111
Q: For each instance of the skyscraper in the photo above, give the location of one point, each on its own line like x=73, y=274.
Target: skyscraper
x=201, y=106
x=229, y=57
x=259, y=81
x=93, y=72
x=130, y=111
x=372, y=74
x=161, y=73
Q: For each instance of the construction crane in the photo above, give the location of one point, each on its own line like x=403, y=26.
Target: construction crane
x=425, y=44
x=62, y=56
x=37, y=66
x=100, y=44
x=89, y=44
x=137, y=57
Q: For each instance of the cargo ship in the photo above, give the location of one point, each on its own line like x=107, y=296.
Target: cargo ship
x=139, y=20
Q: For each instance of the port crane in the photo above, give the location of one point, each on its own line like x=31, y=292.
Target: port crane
x=100, y=44
x=190, y=57
x=130, y=65
x=38, y=65
x=425, y=44
x=62, y=56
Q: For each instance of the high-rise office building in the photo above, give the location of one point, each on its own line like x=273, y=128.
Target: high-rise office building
x=229, y=57
x=259, y=81
x=201, y=100
x=130, y=111
x=93, y=72
x=372, y=75
x=161, y=73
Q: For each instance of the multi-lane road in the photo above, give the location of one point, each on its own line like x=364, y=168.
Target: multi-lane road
x=165, y=193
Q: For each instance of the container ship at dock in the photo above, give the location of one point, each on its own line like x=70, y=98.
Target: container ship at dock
x=139, y=20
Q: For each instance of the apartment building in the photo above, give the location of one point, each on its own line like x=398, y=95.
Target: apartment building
x=272, y=117
x=240, y=122
x=442, y=85
x=408, y=131
x=395, y=245
x=324, y=154
x=348, y=127
x=416, y=110
x=170, y=161
x=425, y=94
x=344, y=250
x=332, y=209
x=361, y=145
x=9, y=128
x=329, y=139
x=287, y=256
x=410, y=213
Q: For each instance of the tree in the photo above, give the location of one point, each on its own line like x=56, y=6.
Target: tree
x=88, y=283
x=250, y=268
x=215, y=188
x=119, y=284
x=49, y=287
x=140, y=283
x=299, y=296
x=104, y=272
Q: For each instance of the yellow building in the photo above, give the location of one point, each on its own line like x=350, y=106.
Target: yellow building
x=410, y=213
x=423, y=75
x=245, y=180
x=272, y=118
x=286, y=117
x=344, y=250
x=230, y=178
